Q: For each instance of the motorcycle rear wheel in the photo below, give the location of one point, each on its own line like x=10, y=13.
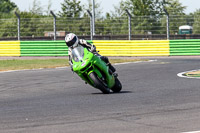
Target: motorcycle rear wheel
x=99, y=83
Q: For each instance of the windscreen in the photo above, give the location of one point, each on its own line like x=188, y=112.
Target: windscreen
x=78, y=53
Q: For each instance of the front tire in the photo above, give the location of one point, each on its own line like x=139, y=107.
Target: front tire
x=99, y=83
x=117, y=87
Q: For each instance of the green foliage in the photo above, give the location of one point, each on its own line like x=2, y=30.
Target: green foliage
x=98, y=10
x=70, y=19
x=174, y=7
x=28, y=25
x=119, y=10
x=70, y=8
x=8, y=27
x=149, y=9
x=147, y=16
x=176, y=13
x=36, y=8
x=48, y=8
x=152, y=12
x=196, y=25
x=35, y=24
x=6, y=6
x=140, y=7
x=79, y=26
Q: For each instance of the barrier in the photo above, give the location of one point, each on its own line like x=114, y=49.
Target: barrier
x=43, y=48
x=185, y=47
x=9, y=48
x=106, y=48
x=133, y=48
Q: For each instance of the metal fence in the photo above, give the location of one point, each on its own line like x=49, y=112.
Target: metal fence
x=130, y=27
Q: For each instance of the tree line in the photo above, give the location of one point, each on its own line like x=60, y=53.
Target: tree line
x=147, y=15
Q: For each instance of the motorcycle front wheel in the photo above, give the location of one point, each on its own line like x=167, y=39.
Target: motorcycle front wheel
x=98, y=83
x=117, y=87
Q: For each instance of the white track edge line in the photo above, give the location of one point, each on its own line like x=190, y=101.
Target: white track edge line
x=192, y=132
x=182, y=76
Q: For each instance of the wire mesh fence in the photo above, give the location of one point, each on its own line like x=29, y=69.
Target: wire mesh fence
x=35, y=26
x=140, y=27
x=8, y=27
x=80, y=26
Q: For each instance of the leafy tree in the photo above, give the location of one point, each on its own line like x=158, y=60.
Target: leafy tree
x=119, y=10
x=98, y=9
x=36, y=8
x=196, y=25
x=148, y=14
x=176, y=15
x=6, y=6
x=70, y=19
x=138, y=7
x=34, y=24
x=27, y=24
x=49, y=7
x=149, y=9
x=71, y=8
x=174, y=7
x=8, y=27
x=7, y=21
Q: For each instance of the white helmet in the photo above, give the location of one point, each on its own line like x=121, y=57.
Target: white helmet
x=71, y=40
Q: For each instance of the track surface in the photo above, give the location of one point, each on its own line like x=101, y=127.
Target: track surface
x=154, y=100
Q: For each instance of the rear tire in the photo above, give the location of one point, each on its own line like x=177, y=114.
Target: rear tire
x=117, y=87
x=99, y=83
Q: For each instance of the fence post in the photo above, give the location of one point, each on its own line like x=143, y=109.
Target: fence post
x=91, y=25
x=54, y=24
x=18, y=25
x=93, y=17
x=167, y=24
x=129, y=24
x=166, y=12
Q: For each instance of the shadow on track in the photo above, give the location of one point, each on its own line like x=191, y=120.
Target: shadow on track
x=122, y=92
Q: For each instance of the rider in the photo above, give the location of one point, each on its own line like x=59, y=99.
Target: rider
x=72, y=41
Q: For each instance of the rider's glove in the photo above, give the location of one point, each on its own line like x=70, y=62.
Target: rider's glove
x=93, y=49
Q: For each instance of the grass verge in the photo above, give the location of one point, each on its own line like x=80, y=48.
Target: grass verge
x=193, y=74
x=16, y=64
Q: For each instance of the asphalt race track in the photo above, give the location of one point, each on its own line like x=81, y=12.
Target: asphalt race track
x=153, y=100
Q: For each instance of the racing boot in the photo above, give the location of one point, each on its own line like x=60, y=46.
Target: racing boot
x=111, y=68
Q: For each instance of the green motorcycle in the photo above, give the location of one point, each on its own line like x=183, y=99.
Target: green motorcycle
x=94, y=71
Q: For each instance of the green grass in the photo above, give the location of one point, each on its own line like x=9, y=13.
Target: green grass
x=193, y=75
x=16, y=64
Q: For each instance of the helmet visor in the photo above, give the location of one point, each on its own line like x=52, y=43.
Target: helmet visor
x=72, y=42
